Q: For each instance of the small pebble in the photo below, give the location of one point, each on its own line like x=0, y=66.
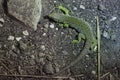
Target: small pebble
x=32, y=56
x=82, y=7
x=75, y=8
x=87, y=56
x=48, y=68
x=65, y=52
x=44, y=34
x=11, y=38
x=93, y=72
x=46, y=25
x=62, y=33
x=13, y=47
x=22, y=45
x=101, y=7
x=52, y=26
x=41, y=60
x=25, y=33
x=55, y=1
x=105, y=34
x=2, y=20
x=41, y=54
x=95, y=48
x=0, y=46
x=42, y=47
x=1, y=25
x=113, y=37
x=73, y=1
x=113, y=18
x=49, y=58
x=18, y=38
x=56, y=29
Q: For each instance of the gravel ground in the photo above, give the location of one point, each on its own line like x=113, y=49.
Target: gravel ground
x=47, y=50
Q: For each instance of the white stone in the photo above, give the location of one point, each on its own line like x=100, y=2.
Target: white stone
x=105, y=34
x=75, y=8
x=93, y=72
x=62, y=33
x=44, y=34
x=11, y=38
x=32, y=56
x=56, y=29
x=73, y=1
x=18, y=38
x=25, y=33
x=55, y=1
x=42, y=47
x=1, y=25
x=87, y=56
x=46, y=25
x=113, y=18
x=82, y=7
x=52, y=25
x=2, y=20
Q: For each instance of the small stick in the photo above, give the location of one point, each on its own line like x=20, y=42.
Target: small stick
x=98, y=41
x=35, y=76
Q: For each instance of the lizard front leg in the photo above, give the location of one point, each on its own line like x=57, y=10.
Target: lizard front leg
x=79, y=38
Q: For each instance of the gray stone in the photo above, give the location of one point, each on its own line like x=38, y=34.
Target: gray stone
x=48, y=68
x=101, y=7
x=0, y=3
x=27, y=11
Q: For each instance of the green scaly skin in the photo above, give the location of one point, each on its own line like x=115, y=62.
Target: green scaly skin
x=81, y=26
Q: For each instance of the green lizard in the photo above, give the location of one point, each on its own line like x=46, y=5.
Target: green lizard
x=81, y=26
x=66, y=12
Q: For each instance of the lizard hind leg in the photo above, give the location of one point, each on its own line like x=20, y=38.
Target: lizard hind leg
x=93, y=46
x=79, y=38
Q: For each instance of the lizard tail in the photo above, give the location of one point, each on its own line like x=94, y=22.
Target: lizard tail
x=79, y=57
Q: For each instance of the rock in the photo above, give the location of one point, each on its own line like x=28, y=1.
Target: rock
x=25, y=33
x=41, y=54
x=49, y=58
x=22, y=45
x=101, y=7
x=1, y=22
x=0, y=46
x=44, y=34
x=93, y=72
x=113, y=18
x=46, y=25
x=11, y=38
x=0, y=3
x=52, y=26
x=82, y=7
x=75, y=8
x=42, y=47
x=18, y=38
x=65, y=52
x=106, y=35
x=56, y=29
x=48, y=68
x=27, y=11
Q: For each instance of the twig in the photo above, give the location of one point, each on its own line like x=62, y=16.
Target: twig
x=98, y=41
x=6, y=67
x=105, y=75
x=34, y=76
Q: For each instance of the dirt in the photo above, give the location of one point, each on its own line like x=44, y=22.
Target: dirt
x=48, y=49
